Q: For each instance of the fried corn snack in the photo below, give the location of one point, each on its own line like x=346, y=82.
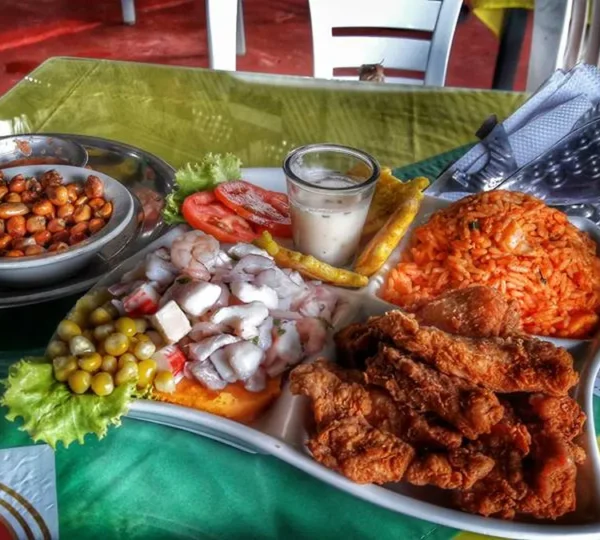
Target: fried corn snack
x=308, y=266
x=383, y=243
x=389, y=195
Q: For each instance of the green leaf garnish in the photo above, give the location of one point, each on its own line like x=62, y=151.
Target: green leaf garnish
x=214, y=169
x=51, y=412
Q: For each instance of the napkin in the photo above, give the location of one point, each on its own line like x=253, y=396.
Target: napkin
x=561, y=104
x=28, y=493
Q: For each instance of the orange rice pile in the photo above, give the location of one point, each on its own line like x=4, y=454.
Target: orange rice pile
x=515, y=243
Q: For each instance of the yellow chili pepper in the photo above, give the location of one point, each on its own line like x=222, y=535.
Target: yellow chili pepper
x=377, y=251
x=307, y=265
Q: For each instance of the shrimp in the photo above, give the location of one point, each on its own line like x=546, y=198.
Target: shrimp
x=195, y=253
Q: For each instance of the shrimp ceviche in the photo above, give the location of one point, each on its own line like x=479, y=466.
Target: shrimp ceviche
x=204, y=326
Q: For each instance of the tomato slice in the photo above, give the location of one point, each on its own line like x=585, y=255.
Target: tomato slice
x=267, y=209
x=204, y=197
x=215, y=219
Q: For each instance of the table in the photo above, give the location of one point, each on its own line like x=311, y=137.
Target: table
x=147, y=481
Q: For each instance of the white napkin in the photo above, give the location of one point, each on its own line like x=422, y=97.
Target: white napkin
x=28, y=493
x=545, y=118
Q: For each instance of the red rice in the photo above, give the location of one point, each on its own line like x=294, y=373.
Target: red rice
x=515, y=243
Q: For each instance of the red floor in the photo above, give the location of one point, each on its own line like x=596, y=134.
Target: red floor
x=174, y=32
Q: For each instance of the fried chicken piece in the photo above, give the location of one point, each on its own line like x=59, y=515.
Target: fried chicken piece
x=536, y=465
x=535, y=470
x=514, y=364
x=363, y=434
x=361, y=452
x=551, y=491
x=457, y=469
x=554, y=423
x=424, y=432
x=499, y=493
x=471, y=409
x=333, y=392
x=336, y=393
x=552, y=415
x=476, y=311
x=355, y=344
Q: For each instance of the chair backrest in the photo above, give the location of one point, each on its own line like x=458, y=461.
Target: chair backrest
x=591, y=54
x=565, y=32
x=428, y=53
x=573, y=33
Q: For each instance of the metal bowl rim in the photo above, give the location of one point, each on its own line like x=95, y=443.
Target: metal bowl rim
x=80, y=149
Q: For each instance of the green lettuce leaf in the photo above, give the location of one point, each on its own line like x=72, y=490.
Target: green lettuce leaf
x=51, y=412
x=213, y=170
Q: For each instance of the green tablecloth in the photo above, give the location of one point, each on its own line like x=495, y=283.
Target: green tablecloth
x=146, y=481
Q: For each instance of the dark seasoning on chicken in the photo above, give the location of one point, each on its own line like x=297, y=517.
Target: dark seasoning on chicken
x=455, y=397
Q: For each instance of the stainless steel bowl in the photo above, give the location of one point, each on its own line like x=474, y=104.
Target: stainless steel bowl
x=53, y=267
x=14, y=149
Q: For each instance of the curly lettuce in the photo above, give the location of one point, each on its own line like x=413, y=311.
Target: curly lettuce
x=212, y=170
x=51, y=412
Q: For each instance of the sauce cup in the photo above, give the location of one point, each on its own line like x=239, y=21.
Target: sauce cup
x=330, y=188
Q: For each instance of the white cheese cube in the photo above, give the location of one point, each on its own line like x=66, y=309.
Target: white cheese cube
x=198, y=297
x=171, y=322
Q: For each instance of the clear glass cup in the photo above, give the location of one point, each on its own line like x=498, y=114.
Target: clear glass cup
x=330, y=188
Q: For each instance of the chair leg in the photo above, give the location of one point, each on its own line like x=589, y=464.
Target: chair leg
x=221, y=18
x=240, y=31
x=128, y=9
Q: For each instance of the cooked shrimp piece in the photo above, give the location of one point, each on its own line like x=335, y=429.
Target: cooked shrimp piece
x=195, y=254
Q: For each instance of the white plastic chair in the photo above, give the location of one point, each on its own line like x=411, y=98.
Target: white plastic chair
x=428, y=55
x=591, y=53
x=226, y=35
x=128, y=10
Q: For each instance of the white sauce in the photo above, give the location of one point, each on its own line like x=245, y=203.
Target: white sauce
x=328, y=226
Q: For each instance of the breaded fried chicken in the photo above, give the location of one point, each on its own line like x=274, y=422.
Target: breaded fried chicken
x=499, y=493
x=355, y=344
x=553, y=423
x=333, y=393
x=552, y=479
x=471, y=409
x=457, y=469
x=453, y=397
x=514, y=364
x=553, y=415
x=361, y=452
x=476, y=311
x=336, y=394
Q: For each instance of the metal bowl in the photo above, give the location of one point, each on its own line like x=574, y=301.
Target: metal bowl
x=25, y=150
x=49, y=268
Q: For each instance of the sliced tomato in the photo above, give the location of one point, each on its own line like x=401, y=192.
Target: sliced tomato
x=267, y=209
x=215, y=219
x=204, y=197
